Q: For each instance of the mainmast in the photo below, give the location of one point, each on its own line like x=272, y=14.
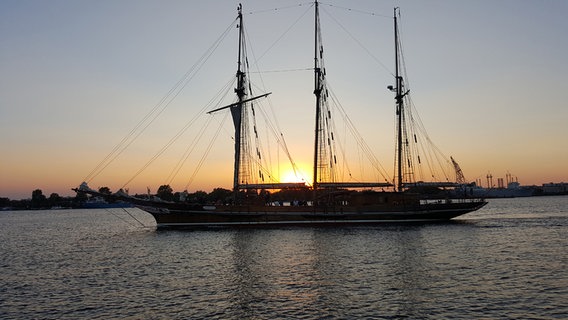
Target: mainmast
x=317, y=93
x=237, y=109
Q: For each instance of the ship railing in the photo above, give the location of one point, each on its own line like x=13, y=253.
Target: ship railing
x=450, y=200
x=430, y=184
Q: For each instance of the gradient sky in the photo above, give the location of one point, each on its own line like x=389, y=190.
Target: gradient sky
x=489, y=78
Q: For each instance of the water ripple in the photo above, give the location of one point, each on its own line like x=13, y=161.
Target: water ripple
x=91, y=264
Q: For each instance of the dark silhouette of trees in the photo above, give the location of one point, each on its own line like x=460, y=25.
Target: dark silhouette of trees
x=105, y=190
x=198, y=197
x=220, y=195
x=4, y=202
x=54, y=200
x=165, y=192
x=38, y=199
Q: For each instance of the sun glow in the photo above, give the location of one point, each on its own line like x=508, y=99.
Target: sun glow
x=298, y=175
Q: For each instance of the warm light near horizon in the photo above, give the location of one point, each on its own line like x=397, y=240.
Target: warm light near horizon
x=298, y=175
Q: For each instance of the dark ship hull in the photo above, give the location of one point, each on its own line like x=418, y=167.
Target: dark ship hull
x=351, y=208
x=196, y=216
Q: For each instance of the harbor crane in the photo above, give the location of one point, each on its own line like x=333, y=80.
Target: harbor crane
x=460, y=178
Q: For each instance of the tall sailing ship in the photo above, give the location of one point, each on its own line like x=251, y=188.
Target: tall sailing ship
x=326, y=201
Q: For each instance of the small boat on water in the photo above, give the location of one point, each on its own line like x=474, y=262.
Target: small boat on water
x=326, y=201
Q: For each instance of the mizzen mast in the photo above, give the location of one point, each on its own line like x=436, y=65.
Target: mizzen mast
x=399, y=98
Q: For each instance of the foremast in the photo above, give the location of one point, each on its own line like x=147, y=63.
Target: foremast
x=242, y=166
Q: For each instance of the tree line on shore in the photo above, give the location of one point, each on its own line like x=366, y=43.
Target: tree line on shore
x=39, y=201
x=219, y=195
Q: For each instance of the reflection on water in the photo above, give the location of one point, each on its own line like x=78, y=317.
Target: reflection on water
x=507, y=260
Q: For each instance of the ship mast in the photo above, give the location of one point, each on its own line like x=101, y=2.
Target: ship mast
x=317, y=93
x=399, y=107
x=237, y=109
x=240, y=115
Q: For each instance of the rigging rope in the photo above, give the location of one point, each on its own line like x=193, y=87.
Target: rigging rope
x=415, y=130
x=359, y=138
x=282, y=35
x=280, y=8
x=133, y=217
x=206, y=153
x=357, y=10
x=158, y=109
x=220, y=96
x=284, y=70
x=170, y=143
x=121, y=218
x=359, y=42
x=191, y=147
x=275, y=127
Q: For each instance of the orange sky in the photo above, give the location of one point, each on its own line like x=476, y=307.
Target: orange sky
x=75, y=78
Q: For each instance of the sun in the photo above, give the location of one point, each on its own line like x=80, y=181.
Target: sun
x=299, y=175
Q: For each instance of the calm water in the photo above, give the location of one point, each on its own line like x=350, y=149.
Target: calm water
x=506, y=261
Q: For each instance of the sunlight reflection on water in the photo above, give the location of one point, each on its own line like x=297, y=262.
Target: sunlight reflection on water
x=507, y=260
